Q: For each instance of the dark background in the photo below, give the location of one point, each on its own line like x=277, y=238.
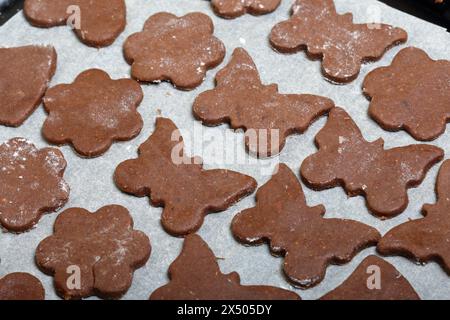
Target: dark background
x=430, y=10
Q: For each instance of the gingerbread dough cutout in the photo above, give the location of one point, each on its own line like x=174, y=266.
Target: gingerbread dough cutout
x=244, y=102
x=374, y=279
x=93, y=112
x=343, y=46
x=425, y=239
x=175, y=49
x=365, y=168
x=100, y=249
x=32, y=183
x=308, y=242
x=230, y=9
x=24, y=75
x=195, y=275
x=21, y=286
x=96, y=23
x=179, y=183
x=413, y=94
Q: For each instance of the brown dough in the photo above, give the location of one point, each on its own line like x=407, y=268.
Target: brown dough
x=243, y=101
x=411, y=94
x=425, y=239
x=102, y=246
x=308, y=242
x=346, y=159
x=231, y=9
x=343, y=46
x=24, y=76
x=32, y=183
x=93, y=112
x=21, y=286
x=101, y=21
x=178, y=183
x=361, y=285
x=195, y=275
x=175, y=49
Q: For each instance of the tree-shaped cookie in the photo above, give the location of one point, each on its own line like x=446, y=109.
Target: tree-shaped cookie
x=179, y=183
x=175, y=49
x=93, y=112
x=425, y=239
x=374, y=279
x=308, y=241
x=96, y=23
x=244, y=102
x=32, y=183
x=365, y=168
x=21, y=286
x=93, y=253
x=24, y=76
x=195, y=275
x=413, y=94
x=231, y=9
x=343, y=46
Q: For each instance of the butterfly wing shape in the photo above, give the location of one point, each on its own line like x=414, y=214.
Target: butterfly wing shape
x=195, y=275
x=308, y=241
x=425, y=239
x=342, y=45
x=179, y=183
x=231, y=9
x=365, y=168
x=100, y=21
x=268, y=117
x=374, y=279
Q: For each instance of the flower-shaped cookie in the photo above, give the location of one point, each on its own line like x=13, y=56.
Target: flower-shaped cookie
x=24, y=76
x=230, y=9
x=21, y=286
x=175, y=49
x=96, y=23
x=93, y=112
x=31, y=183
x=411, y=94
x=93, y=253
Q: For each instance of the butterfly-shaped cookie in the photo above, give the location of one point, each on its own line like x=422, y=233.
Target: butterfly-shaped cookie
x=365, y=168
x=268, y=117
x=179, y=183
x=308, y=241
x=231, y=9
x=195, y=275
x=425, y=239
x=315, y=26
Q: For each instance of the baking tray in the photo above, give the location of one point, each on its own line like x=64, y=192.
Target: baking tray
x=91, y=179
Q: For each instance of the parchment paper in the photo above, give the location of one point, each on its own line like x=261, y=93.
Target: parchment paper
x=91, y=180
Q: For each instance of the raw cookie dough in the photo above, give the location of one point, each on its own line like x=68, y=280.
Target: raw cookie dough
x=308, y=242
x=195, y=275
x=24, y=76
x=178, y=183
x=374, y=279
x=32, y=183
x=93, y=112
x=175, y=49
x=231, y=9
x=21, y=286
x=93, y=253
x=96, y=23
x=268, y=117
x=343, y=46
x=365, y=168
x=413, y=94
x=425, y=239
